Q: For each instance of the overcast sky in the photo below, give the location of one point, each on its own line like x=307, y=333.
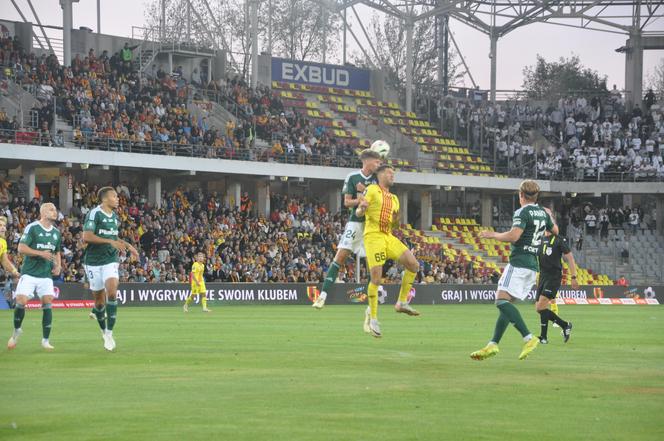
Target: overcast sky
x=516, y=50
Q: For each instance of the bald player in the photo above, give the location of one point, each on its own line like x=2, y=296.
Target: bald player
x=40, y=246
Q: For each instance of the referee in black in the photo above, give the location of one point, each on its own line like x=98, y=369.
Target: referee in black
x=554, y=248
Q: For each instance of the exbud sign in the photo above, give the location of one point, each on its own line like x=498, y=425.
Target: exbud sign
x=316, y=74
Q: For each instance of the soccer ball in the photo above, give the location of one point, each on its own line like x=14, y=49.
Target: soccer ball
x=381, y=147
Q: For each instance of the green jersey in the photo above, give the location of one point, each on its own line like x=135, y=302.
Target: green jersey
x=41, y=239
x=350, y=187
x=105, y=226
x=533, y=220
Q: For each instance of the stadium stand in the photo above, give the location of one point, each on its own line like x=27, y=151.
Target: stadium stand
x=296, y=243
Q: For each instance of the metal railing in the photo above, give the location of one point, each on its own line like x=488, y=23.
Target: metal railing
x=90, y=141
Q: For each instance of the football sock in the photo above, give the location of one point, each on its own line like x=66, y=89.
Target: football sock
x=513, y=316
x=204, y=300
x=189, y=299
x=19, y=313
x=100, y=313
x=544, y=323
x=406, y=284
x=112, y=311
x=47, y=320
x=550, y=315
x=501, y=325
x=331, y=276
x=372, y=293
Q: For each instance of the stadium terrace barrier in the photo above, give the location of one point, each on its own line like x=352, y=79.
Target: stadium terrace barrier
x=72, y=295
x=88, y=141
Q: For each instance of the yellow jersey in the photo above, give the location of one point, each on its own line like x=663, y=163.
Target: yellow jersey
x=3, y=247
x=197, y=273
x=383, y=205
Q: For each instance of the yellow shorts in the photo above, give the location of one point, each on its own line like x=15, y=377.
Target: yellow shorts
x=380, y=247
x=198, y=289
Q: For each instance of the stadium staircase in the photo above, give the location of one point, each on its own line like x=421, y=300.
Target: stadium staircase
x=16, y=99
x=215, y=113
x=337, y=109
x=644, y=266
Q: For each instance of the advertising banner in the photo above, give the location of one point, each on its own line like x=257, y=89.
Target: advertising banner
x=154, y=294
x=317, y=74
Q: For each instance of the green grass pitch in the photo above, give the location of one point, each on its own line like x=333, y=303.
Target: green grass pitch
x=293, y=373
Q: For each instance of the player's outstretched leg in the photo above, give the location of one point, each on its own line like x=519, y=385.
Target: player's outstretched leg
x=491, y=348
x=372, y=294
x=408, y=260
x=204, y=302
x=546, y=316
x=554, y=309
x=330, y=278
x=514, y=316
x=402, y=304
x=47, y=323
x=367, y=320
x=19, y=314
x=187, y=302
x=112, y=315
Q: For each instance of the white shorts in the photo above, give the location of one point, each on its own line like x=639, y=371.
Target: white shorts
x=98, y=275
x=28, y=286
x=353, y=238
x=517, y=281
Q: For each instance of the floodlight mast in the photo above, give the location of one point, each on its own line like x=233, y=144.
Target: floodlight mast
x=497, y=18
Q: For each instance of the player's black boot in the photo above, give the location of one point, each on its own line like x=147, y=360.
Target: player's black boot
x=567, y=332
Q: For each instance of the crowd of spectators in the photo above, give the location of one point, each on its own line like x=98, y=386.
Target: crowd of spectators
x=111, y=105
x=295, y=243
x=589, y=138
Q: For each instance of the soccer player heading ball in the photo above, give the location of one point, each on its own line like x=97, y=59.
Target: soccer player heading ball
x=352, y=237
x=381, y=211
x=528, y=226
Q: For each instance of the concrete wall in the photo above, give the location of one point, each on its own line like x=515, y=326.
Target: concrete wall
x=21, y=30
x=265, y=69
x=83, y=40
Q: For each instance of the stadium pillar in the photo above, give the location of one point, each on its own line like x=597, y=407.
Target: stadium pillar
x=659, y=214
x=263, y=199
x=233, y=195
x=409, y=64
x=426, y=216
x=30, y=179
x=334, y=201
x=403, y=206
x=65, y=193
x=493, y=53
x=634, y=70
x=67, y=23
x=154, y=191
x=162, y=21
x=254, y=43
x=486, y=206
